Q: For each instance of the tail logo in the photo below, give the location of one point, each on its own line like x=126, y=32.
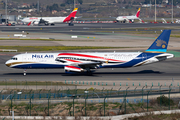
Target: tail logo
x=138, y=12
x=161, y=43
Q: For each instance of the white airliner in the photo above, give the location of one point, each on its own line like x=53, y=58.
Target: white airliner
x=50, y=20
x=86, y=62
x=129, y=19
x=177, y=21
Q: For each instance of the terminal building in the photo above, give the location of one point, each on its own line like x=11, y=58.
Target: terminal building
x=10, y=18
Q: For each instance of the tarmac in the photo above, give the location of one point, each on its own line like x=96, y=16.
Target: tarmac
x=158, y=72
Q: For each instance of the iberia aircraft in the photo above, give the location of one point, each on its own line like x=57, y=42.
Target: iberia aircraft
x=86, y=62
x=129, y=18
x=50, y=20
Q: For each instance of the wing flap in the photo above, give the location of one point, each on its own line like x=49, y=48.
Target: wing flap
x=89, y=63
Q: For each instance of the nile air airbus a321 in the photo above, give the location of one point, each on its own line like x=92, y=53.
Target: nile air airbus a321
x=86, y=62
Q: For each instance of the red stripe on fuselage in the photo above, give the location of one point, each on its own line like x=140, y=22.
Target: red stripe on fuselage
x=72, y=60
x=88, y=56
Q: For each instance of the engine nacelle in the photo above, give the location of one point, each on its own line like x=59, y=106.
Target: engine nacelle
x=36, y=23
x=69, y=69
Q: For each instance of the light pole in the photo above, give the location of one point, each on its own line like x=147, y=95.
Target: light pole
x=74, y=4
x=155, y=10
x=172, y=12
x=38, y=6
x=6, y=11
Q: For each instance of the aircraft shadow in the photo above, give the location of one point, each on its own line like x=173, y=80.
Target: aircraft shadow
x=93, y=74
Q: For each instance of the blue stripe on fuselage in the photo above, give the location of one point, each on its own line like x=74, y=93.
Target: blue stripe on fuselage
x=38, y=66
x=134, y=61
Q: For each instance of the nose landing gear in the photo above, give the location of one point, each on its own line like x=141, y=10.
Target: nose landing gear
x=25, y=72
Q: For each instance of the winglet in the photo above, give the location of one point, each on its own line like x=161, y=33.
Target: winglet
x=138, y=12
x=161, y=43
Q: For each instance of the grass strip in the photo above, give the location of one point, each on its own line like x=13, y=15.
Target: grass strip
x=29, y=39
x=53, y=48
x=176, y=54
x=177, y=36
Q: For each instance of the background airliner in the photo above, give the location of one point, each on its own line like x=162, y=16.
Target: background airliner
x=129, y=18
x=50, y=20
x=85, y=62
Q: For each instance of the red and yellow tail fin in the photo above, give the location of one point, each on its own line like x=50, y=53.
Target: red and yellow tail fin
x=138, y=12
x=71, y=16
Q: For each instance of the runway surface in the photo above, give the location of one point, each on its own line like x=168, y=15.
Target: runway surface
x=79, y=29
x=160, y=71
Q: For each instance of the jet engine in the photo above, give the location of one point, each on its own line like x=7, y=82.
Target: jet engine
x=35, y=23
x=69, y=69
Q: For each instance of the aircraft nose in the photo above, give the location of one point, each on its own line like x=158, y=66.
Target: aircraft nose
x=8, y=63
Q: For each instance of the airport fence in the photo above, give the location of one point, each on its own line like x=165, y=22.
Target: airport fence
x=87, y=102
x=15, y=84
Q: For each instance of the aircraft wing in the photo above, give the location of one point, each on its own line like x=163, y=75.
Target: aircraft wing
x=82, y=63
x=141, y=20
x=89, y=64
x=128, y=20
x=81, y=67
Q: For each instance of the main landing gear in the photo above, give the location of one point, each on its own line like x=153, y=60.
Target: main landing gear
x=89, y=72
x=71, y=24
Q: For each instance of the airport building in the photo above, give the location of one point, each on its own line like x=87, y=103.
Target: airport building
x=10, y=18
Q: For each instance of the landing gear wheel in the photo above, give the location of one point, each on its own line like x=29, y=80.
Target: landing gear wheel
x=89, y=73
x=25, y=72
x=71, y=24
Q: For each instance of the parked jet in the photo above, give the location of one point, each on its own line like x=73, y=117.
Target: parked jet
x=177, y=21
x=130, y=19
x=50, y=20
x=86, y=62
x=164, y=21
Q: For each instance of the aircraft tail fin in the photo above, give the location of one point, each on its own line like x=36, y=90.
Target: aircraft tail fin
x=138, y=12
x=161, y=43
x=71, y=16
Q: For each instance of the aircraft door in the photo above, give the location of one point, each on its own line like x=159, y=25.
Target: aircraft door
x=144, y=56
x=24, y=57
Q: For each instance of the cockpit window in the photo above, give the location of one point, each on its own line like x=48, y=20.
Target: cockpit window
x=14, y=58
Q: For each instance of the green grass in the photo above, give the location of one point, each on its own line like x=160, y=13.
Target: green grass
x=176, y=54
x=28, y=39
x=177, y=36
x=53, y=48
